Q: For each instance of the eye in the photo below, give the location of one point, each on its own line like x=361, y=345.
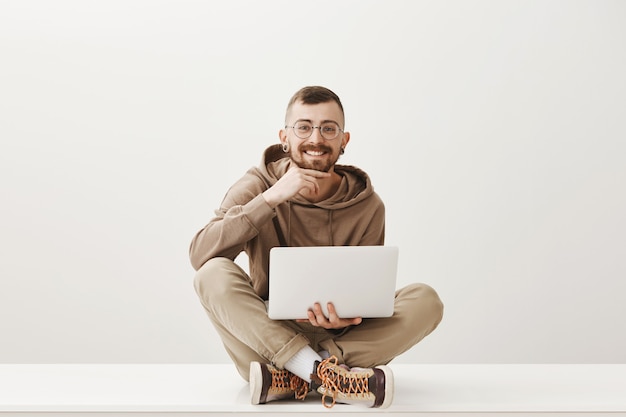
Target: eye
x=303, y=127
x=329, y=129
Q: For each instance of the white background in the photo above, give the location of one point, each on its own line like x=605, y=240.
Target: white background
x=494, y=131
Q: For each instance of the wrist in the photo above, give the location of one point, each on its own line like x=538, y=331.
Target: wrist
x=270, y=199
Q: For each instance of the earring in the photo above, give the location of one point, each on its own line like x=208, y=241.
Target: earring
x=342, y=150
x=285, y=147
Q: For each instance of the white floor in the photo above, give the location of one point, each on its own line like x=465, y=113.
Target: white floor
x=202, y=389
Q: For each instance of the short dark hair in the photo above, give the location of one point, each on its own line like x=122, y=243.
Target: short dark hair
x=315, y=95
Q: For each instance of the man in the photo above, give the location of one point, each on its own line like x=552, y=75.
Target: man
x=298, y=196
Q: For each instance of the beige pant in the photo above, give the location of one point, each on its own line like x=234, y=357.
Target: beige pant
x=248, y=334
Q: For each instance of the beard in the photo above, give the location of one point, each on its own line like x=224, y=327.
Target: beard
x=319, y=164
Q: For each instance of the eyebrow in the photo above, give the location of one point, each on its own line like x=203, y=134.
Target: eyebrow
x=323, y=121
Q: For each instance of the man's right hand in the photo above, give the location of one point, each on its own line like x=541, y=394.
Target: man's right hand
x=317, y=318
x=295, y=181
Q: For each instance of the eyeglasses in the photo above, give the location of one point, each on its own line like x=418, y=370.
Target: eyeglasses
x=328, y=130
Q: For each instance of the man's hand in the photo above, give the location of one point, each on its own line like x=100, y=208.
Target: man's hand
x=333, y=321
x=295, y=181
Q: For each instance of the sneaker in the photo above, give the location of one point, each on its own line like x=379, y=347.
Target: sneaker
x=372, y=387
x=268, y=383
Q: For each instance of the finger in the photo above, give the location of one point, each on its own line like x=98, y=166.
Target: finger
x=335, y=319
x=356, y=320
x=304, y=182
x=314, y=172
x=312, y=185
x=311, y=318
x=306, y=171
x=332, y=313
x=319, y=315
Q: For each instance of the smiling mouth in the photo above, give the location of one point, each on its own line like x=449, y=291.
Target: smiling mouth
x=315, y=151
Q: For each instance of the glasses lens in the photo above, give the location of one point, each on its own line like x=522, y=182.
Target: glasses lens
x=303, y=129
x=329, y=130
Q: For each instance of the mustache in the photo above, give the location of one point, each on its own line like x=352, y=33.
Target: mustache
x=315, y=148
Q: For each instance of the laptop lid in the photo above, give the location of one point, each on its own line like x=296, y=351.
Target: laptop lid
x=359, y=280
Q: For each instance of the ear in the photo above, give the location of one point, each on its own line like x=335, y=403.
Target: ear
x=282, y=135
x=346, y=139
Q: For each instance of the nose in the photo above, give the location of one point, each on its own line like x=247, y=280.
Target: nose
x=316, y=135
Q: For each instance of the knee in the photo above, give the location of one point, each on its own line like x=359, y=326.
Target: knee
x=213, y=280
x=425, y=302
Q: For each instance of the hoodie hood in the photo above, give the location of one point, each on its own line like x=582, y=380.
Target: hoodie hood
x=355, y=184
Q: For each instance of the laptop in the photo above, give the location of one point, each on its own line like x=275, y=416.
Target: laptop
x=359, y=280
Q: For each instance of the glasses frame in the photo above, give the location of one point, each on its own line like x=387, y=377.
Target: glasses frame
x=313, y=128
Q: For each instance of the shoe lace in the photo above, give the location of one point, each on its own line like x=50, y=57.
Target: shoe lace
x=284, y=380
x=299, y=386
x=335, y=382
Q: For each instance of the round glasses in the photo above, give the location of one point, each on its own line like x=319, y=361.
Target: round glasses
x=328, y=130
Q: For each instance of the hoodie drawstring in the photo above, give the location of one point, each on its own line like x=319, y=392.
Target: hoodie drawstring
x=289, y=224
x=330, y=227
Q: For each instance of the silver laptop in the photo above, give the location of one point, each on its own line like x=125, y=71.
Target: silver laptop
x=359, y=280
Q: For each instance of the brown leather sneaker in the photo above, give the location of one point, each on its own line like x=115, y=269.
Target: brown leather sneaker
x=371, y=387
x=268, y=383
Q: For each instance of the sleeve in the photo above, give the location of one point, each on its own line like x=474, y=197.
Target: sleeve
x=238, y=220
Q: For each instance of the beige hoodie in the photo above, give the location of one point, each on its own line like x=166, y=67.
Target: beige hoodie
x=354, y=215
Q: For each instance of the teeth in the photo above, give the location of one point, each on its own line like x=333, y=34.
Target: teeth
x=314, y=153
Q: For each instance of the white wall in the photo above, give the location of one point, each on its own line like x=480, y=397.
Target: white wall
x=494, y=130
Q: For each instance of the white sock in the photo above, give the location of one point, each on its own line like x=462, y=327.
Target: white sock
x=303, y=362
